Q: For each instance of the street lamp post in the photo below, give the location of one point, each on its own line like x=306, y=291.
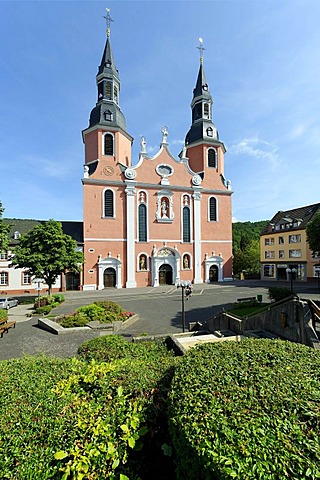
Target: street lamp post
x=291, y=271
x=183, y=284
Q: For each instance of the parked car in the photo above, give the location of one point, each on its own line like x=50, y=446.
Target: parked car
x=8, y=302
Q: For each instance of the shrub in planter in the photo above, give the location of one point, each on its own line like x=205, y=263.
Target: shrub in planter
x=73, y=320
x=247, y=410
x=110, y=306
x=279, y=293
x=44, y=310
x=3, y=314
x=92, y=312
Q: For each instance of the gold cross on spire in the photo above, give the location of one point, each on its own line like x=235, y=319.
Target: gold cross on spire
x=201, y=49
x=108, y=21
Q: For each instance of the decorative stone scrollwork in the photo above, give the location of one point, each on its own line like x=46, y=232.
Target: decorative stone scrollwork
x=130, y=174
x=196, y=180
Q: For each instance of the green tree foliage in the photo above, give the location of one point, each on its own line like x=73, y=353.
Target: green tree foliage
x=46, y=252
x=247, y=259
x=244, y=232
x=4, y=231
x=313, y=234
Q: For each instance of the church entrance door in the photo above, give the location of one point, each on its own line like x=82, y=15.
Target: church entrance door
x=213, y=274
x=165, y=275
x=109, y=278
x=72, y=281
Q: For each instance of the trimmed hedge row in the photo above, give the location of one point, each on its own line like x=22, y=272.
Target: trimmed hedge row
x=247, y=410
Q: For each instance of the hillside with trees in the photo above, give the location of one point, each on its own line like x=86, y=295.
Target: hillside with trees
x=246, y=246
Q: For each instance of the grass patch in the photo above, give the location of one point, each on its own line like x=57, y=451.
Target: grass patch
x=243, y=310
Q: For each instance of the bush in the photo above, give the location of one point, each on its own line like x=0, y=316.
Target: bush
x=247, y=410
x=73, y=320
x=109, y=306
x=86, y=419
x=3, y=314
x=279, y=293
x=103, y=312
x=44, y=310
x=58, y=297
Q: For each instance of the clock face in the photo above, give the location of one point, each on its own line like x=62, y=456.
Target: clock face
x=108, y=170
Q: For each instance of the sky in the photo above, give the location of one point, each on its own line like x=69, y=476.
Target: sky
x=262, y=63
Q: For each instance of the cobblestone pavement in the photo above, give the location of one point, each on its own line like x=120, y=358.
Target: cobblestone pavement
x=159, y=310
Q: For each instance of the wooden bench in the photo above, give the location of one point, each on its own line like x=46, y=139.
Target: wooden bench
x=247, y=299
x=5, y=326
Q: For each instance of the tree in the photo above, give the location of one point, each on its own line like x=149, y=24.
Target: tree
x=313, y=234
x=4, y=232
x=248, y=259
x=46, y=252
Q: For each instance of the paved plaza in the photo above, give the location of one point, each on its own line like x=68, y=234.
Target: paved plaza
x=159, y=312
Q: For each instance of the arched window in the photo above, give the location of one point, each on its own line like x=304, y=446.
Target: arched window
x=212, y=209
x=108, y=206
x=206, y=110
x=186, y=237
x=108, y=144
x=142, y=222
x=212, y=158
x=108, y=90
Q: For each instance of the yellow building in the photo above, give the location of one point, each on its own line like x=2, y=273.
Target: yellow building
x=284, y=250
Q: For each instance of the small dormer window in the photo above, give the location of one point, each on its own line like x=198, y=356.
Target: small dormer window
x=205, y=87
x=16, y=235
x=209, y=132
x=108, y=116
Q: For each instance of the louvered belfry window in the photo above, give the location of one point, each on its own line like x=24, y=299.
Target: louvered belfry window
x=186, y=224
x=212, y=159
x=108, y=144
x=142, y=223
x=213, y=209
x=108, y=204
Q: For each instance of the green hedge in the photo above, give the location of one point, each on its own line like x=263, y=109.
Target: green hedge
x=103, y=312
x=3, y=314
x=86, y=420
x=279, y=293
x=247, y=410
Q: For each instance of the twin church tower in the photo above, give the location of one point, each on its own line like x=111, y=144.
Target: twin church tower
x=160, y=219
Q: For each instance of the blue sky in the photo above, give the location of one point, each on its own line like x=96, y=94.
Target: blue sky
x=263, y=69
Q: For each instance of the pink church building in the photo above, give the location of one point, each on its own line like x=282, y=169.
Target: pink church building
x=163, y=219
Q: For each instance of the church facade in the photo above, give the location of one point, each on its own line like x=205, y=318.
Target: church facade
x=163, y=219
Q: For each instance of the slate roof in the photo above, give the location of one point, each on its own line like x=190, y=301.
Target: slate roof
x=304, y=214
x=74, y=229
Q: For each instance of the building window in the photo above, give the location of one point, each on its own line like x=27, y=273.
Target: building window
x=16, y=235
x=4, y=255
x=108, y=90
x=4, y=278
x=281, y=240
x=269, y=241
x=268, y=270
x=294, y=253
x=206, y=110
x=295, y=238
x=108, y=144
x=142, y=213
x=108, y=116
x=281, y=253
x=143, y=262
x=186, y=263
x=26, y=278
x=212, y=158
x=108, y=207
x=269, y=254
x=209, y=132
x=212, y=209
x=115, y=94
x=186, y=237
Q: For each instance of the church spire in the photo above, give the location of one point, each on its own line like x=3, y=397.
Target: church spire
x=107, y=110
x=202, y=127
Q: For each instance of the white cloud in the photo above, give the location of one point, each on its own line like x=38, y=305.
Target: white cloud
x=259, y=149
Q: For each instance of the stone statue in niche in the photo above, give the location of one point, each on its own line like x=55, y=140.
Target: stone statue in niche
x=186, y=262
x=142, y=197
x=142, y=263
x=164, y=209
